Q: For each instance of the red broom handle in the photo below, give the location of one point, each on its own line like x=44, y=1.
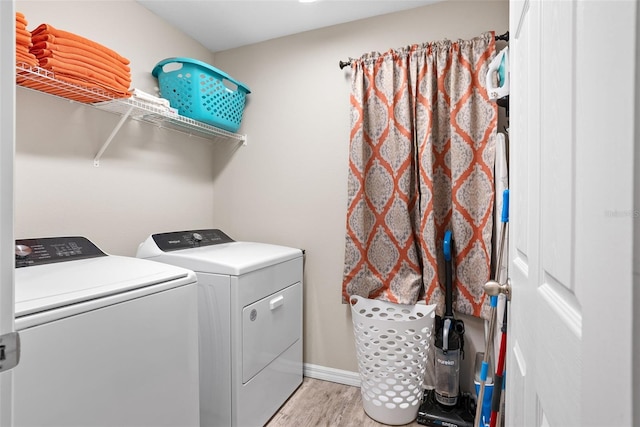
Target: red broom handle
x=497, y=383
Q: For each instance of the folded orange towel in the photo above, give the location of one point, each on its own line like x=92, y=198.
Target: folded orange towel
x=73, y=59
x=26, y=54
x=81, y=96
x=26, y=58
x=48, y=41
x=56, y=48
x=114, y=92
x=43, y=84
x=24, y=49
x=83, y=69
x=80, y=89
x=48, y=29
x=23, y=40
x=82, y=73
x=43, y=48
x=79, y=59
x=23, y=32
x=21, y=19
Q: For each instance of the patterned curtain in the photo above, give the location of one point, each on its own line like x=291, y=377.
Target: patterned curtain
x=420, y=163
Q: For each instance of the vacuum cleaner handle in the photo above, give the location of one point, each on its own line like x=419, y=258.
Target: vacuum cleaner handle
x=447, y=247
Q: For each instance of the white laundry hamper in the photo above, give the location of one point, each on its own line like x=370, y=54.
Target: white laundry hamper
x=392, y=342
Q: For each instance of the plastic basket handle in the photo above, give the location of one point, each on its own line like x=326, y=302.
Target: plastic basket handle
x=219, y=73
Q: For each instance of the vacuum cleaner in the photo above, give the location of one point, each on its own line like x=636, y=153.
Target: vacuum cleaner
x=445, y=405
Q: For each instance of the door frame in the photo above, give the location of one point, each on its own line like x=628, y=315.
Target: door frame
x=7, y=150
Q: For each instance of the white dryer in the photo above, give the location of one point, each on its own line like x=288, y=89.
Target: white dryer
x=105, y=340
x=250, y=309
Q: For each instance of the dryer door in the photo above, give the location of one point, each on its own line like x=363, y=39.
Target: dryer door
x=269, y=327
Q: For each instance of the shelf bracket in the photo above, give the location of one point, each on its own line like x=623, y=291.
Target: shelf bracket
x=96, y=159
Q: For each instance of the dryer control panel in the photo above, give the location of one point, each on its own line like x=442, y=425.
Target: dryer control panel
x=176, y=240
x=48, y=250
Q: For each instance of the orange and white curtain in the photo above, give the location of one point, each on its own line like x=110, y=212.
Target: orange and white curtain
x=421, y=162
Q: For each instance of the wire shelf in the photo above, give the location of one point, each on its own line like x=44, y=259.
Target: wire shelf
x=45, y=81
x=163, y=118
x=42, y=80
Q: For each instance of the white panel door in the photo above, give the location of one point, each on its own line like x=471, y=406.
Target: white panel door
x=571, y=217
x=7, y=136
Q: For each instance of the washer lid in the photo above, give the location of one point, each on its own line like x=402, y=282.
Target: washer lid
x=44, y=287
x=234, y=258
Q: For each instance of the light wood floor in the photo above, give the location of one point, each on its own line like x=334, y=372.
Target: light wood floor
x=324, y=403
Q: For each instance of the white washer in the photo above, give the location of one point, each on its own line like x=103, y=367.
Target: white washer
x=105, y=340
x=250, y=309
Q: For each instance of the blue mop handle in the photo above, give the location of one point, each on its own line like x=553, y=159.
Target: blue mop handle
x=484, y=369
x=505, y=206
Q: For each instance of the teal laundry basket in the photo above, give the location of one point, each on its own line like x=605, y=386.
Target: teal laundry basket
x=201, y=92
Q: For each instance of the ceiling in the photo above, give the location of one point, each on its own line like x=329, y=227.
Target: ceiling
x=222, y=25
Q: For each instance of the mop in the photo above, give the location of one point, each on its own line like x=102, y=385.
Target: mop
x=492, y=288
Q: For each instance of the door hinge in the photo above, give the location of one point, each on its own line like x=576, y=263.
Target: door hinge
x=9, y=351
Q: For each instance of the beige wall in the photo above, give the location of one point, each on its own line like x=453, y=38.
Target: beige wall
x=149, y=179
x=287, y=186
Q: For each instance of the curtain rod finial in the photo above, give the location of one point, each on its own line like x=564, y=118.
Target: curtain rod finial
x=504, y=37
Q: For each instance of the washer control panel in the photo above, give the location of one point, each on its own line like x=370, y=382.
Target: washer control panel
x=190, y=239
x=48, y=250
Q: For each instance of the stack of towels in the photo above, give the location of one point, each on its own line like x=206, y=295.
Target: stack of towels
x=23, y=43
x=82, y=62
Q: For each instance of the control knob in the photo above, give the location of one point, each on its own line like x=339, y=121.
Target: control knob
x=197, y=238
x=23, y=251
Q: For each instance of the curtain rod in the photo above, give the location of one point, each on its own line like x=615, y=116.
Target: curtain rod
x=504, y=37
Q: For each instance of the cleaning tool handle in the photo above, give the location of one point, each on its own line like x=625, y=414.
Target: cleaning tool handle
x=484, y=368
x=447, y=245
x=448, y=268
x=496, y=397
x=505, y=206
x=496, y=401
x=498, y=382
x=445, y=335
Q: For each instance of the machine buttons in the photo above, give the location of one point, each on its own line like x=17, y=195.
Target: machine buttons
x=47, y=250
x=177, y=240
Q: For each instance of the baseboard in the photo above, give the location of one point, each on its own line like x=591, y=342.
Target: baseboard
x=331, y=374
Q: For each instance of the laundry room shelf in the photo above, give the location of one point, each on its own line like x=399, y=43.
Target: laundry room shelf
x=42, y=80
